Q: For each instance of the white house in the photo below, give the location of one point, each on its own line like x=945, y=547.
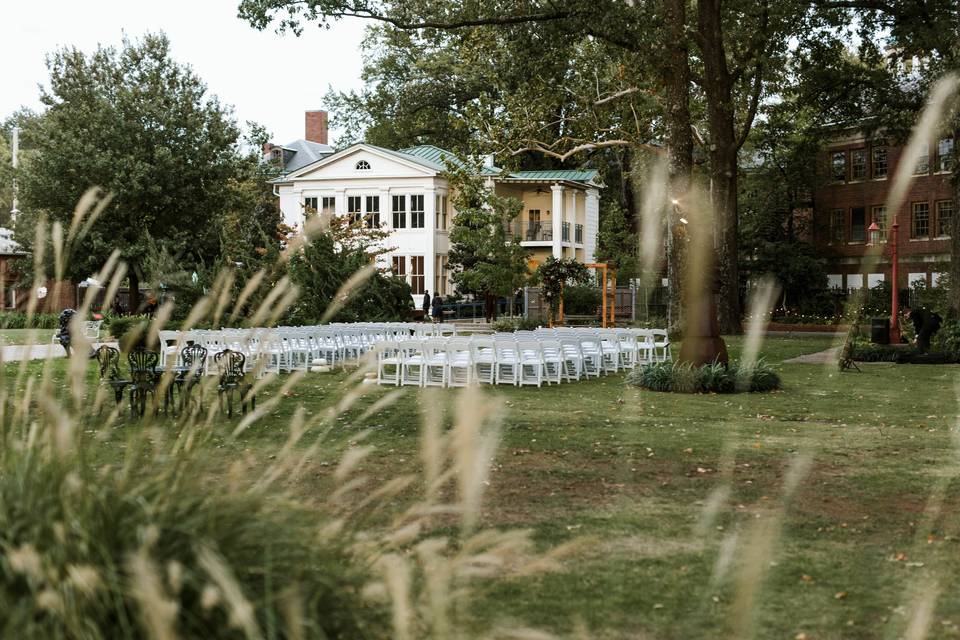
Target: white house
x=404, y=191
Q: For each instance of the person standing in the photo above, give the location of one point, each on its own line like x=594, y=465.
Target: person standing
x=426, y=304
x=437, y=307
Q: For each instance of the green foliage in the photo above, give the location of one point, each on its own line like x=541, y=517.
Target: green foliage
x=617, y=243
x=581, y=300
x=326, y=263
x=509, y=325
x=683, y=377
x=15, y=320
x=143, y=128
x=947, y=340
x=81, y=549
x=866, y=351
x=484, y=257
x=553, y=275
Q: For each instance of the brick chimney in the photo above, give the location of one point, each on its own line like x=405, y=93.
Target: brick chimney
x=315, y=126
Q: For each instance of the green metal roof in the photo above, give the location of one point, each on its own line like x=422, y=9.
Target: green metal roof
x=441, y=159
x=557, y=174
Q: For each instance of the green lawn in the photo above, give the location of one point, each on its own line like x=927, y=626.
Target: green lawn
x=25, y=336
x=665, y=486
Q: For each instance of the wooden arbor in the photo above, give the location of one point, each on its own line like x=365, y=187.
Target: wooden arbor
x=608, y=311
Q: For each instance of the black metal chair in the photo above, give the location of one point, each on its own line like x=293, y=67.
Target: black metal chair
x=109, y=360
x=194, y=360
x=230, y=366
x=143, y=379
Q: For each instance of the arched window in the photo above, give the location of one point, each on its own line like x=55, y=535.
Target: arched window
x=363, y=165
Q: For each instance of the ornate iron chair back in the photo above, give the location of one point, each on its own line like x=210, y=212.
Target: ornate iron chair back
x=195, y=358
x=230, y=366
x=109, y=360
x=143, y=367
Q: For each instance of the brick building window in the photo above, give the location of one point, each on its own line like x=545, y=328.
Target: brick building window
x=945, y=154
x=920, y=220
x=858, y=164
x=416, y=212
x=858, y=224
x=399, y=212
x=880, y=162
x=836, y=225
x=922, y=164
x=879, y=215
x=838, y=166
x=944, y=218
x=417, y=283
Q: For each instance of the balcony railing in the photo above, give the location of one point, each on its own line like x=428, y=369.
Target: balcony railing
x=565, y=236
x=578, y=234
x=531, y=231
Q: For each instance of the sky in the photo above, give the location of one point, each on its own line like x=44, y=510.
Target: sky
x=268, y=78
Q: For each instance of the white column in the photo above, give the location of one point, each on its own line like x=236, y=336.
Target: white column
x=339, y=202
x=429, y=243
x=557, y=219
x=591, y=224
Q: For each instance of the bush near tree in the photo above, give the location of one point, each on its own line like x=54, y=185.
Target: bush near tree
x=328, y=259
x=485, y=258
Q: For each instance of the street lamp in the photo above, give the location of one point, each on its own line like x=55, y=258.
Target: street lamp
x=895, y=276
x=874, y=230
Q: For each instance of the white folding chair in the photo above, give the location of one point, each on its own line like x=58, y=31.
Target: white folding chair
x=507, y=362
x=460, y=364
x=531, y=362
x=389, y=363
x=553, y=360
x=484, y=358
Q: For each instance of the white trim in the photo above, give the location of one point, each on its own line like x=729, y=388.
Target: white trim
x=339, y=155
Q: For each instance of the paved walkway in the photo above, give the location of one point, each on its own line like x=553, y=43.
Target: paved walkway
x=18, y=352
x=827, y=356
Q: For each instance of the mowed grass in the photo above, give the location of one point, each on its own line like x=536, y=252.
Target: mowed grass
x=677, y=497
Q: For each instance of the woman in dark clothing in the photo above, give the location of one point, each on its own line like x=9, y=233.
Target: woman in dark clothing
x=437, y=307
x=925, y=324
x=426, y=304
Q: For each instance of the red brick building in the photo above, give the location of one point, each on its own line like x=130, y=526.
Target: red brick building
x=860, y=170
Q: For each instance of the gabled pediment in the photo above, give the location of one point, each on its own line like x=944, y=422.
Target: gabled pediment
x=363, y=161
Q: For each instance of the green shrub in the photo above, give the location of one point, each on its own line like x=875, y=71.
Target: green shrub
x=864, y=351
x=509, y=325
x=16, y=320
x=709, y=378
x=581, y=300
x=947, y=340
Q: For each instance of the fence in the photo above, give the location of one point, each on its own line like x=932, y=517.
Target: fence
x=624, y=303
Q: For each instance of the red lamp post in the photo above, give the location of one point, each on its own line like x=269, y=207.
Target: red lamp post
x=874, y=230
x=895, y=276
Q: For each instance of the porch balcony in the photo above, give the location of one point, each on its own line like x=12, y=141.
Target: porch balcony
x=531, y=232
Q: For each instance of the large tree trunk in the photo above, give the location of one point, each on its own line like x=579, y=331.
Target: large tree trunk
x=718, y=85
x=134, y=296
x=679, y=144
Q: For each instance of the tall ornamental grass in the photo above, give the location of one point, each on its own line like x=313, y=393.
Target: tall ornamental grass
x=112, y=528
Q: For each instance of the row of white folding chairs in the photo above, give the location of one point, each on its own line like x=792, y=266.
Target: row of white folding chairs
x=496, y=359
x=296, y=348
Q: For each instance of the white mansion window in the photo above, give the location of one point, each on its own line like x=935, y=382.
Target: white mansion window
x=363, y=165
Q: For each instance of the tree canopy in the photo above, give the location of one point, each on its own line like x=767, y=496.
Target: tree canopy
x=141, y=126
